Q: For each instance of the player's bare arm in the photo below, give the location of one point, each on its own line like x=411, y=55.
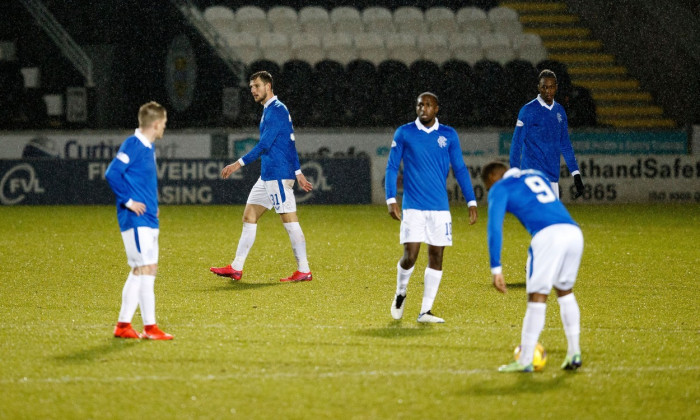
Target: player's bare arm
x=229, y=169
x=394, y=211
x=499, y=282
x=472, y=215
x=303, y=183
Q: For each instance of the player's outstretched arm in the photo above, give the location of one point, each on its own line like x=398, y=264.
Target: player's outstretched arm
x=303, y=183
x=499, y=282
x=394, y=211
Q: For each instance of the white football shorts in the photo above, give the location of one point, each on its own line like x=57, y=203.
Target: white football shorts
x=553, y=258
x=277, y=193
x=141, y=246
x=430, y=226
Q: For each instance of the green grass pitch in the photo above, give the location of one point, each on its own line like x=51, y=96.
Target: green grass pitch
x=329, y=348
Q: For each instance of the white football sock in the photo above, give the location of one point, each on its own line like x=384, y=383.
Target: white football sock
x=147, y=299
x=533, y=324
x=571, y=318
x=244, y=244
x=130, y=298
x=402, y=278
x=296, y=237
x=431, y=282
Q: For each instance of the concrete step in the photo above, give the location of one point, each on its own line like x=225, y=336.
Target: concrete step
x=550, y=19
x=583, y=71
x=534, y=7
x=629, y=111
x=570, y=58
x=621, y=96
x=597, y=85
x=573, y=44
x=546, y=33
x=638, y=123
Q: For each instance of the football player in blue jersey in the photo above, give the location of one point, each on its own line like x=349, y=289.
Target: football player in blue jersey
x=541, y=136
x=553, y=259
x=427, y=149
x=279, y=167
x=133, y=177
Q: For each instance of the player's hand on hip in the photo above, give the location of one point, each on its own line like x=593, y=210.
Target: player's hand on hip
x=499, y=282
x=303, y=183
x=137, y=207
x=394, y=211
x=578, y=182
x=229, y=169
x=473, y=215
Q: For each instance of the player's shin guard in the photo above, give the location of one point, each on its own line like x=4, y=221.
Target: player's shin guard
x=402, y=278
x=245, y=242
x=431, y=284
x=533, y=323
x=571, y=319
x=296, y=237
x=147, y=299
x=130, y=298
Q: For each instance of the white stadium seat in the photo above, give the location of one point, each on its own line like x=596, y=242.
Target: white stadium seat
x=497, y=47
x=440, y=20
x=251, y=19
x=245, y=45
x=409, y=19
x=529, y=47
x=465, y=47
x=370, y=47
x=346, y=19
x=314, y=20
x=473, y=19
x=433, y=47
x=283, y=19
x=505, y=20
x=274, y=46
x=339, y=47
x=378, y=19
x=402, y=47
x=221, y=18
x=307, y=47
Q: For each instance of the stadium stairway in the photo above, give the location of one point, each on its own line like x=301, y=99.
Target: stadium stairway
x=620, y=102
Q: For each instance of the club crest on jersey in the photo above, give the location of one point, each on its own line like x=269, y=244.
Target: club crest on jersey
x=559, y=117
x=442, y=141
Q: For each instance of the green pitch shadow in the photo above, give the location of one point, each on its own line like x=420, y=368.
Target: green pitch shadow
x=98, y=352
x=522, y=383
x=395, y=329
x=520, y=285
x=241, y=286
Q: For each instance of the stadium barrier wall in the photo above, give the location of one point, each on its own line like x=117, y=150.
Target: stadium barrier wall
x=180, y=181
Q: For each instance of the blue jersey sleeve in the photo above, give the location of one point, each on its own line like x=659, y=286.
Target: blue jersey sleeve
x=392, y=166
x=460, y=169
x=271, y=127
x=498, y=201
x=516, y=144
x=567, y=149
x=115, y=173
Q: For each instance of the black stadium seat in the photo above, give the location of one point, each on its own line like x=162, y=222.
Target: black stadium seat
x=521, y=85
x=396, y=86
x=363, y=96
x=426, y=76
x=457, y=99
x=295, y=90
x=330, y=93
x=490, y=93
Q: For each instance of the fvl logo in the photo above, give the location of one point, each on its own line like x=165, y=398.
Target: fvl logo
x=17, y=182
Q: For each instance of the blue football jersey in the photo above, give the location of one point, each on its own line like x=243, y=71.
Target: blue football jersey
x=528, y=195
x=427, y=154
x=540, y=138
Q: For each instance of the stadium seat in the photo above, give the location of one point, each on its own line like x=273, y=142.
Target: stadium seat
x=409, y=19
x=283, y=19
x=244, y=45
x=402, y=47
x=346, y=19
x=221, y=18
x=433, y=47
x=457, y=98
x=473, y=19
x=529, y=47
x=296, y=86
x=505, y=20
x=307, y=47
x=251, y=19
x=269, y=66
x=274, y=46
x=370, y=47
x=440, y=20
x=497, y=47
x=397, y=93
x=363, y=96
x=314, y=20
x=581, y=109
x=330, y=96
x=378, y=19
x=339, y=47
x=427, y=77
x=465, y=47
x=521, y=85
x=491, y=94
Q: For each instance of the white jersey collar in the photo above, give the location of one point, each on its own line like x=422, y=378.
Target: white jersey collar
x=515, y=172
x=427, y=130
x=269, y=101
x=544, y=104
x=139, y=135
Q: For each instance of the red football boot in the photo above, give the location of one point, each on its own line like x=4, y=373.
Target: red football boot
x=227, y=272
x=298, y=276
x=152, y=332
x=125, y=330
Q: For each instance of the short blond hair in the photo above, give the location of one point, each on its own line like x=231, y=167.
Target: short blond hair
x=151, y=112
